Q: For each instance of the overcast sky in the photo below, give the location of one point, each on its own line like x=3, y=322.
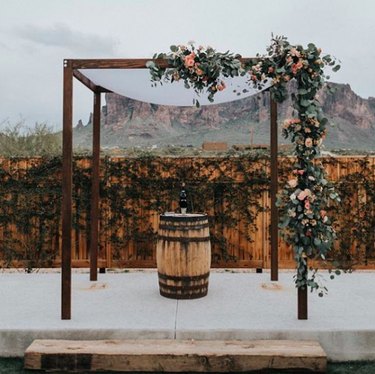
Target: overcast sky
x=36, y=35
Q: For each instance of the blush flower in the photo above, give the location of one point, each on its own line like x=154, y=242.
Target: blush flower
x=303, y=194
x=292, y=213
x=221, y=86
x=300, y=172
x=308, y=142
x=296, y=67
x=323, y=215
x=294, y=52
x=293, y=183
x=189, y=60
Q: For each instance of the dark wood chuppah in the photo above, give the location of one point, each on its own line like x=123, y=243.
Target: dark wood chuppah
x=72, y=69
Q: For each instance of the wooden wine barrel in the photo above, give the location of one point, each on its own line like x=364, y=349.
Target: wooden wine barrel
x=183, y=255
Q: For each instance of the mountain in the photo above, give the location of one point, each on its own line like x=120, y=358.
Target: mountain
x=126, y=122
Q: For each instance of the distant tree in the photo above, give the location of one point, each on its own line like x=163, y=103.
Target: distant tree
x=17, y=140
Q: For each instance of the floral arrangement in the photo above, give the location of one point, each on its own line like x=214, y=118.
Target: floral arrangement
x=306, y=195
x=201, y=69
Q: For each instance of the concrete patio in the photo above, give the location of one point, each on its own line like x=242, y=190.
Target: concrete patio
x=239, y=305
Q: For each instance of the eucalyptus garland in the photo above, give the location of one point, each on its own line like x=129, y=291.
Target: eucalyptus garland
x=304, y=199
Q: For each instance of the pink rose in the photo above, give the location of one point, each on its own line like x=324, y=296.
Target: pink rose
x=296, y=67
x=189, y=60
x=307, y=204
x=295, y=52
x=303, y=194
x=293, y=183
x=308, y=142
x=300, y=172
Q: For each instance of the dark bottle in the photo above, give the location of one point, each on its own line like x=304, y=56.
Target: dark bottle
x=183, y=199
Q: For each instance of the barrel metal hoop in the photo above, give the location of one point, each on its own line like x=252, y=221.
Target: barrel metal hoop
x=183, y=218
x=183, y=278
x=184, y=289
x=183, y=228
x=183, y=240
x=178, y=296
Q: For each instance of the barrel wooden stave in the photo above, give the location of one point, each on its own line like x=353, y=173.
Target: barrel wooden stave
x=183, y=256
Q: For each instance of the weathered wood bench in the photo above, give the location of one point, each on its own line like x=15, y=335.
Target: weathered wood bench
x=175, y=355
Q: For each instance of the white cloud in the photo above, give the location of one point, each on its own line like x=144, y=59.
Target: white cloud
x=61, y=35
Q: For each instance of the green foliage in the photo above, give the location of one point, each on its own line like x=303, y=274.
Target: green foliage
x=133, y=189
x=151, y=185
x=30, y=204
x=18, y=141
x=354, y=220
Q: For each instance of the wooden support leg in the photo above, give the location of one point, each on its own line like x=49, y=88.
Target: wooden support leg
x=273, y=193
x=66, y=255
x=95, y=190
x=302, y=303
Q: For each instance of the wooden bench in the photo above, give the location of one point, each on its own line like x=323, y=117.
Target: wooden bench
x=175, y=355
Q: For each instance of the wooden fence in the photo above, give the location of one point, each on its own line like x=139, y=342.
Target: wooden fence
x=30, y=225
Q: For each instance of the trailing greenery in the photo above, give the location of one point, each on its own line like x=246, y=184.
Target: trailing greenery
x=153, y=185
x=30, y=204
x=304, y=200
x=134, y=190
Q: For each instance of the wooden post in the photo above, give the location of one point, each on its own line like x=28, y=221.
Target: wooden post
x=95, y=189
x=302, y=303
x=273, y=191
x=302, y=300
x=66, y=255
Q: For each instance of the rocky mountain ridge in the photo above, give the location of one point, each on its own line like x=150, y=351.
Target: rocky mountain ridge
x=126, y=122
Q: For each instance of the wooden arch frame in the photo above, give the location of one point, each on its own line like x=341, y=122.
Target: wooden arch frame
x=72, y=69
